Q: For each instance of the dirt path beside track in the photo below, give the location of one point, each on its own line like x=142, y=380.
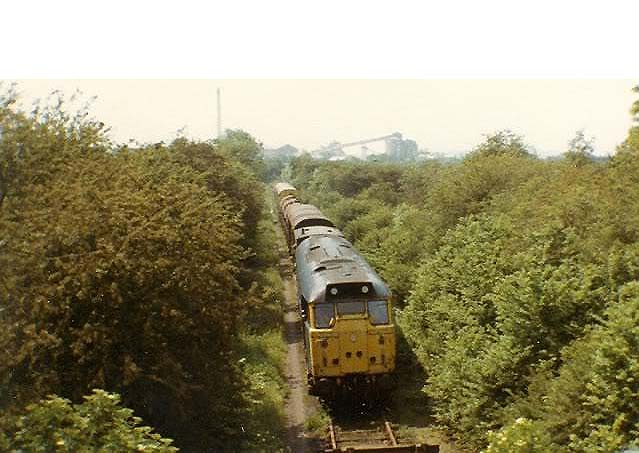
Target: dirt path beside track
x=298, y=399
x=295, y=376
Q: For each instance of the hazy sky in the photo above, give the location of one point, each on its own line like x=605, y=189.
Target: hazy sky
x=448, y=116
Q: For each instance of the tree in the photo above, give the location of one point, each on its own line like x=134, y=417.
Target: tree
x=33, y=148
x=128, y=271
x=589, y=404
x=580, y=149
x=634, y=110
x=610, y=395
x=242, y=147
x=628, y=151
x=97, y=424
x=450, y=319
x=502, y=142
x=10, y=152
x=225, y=175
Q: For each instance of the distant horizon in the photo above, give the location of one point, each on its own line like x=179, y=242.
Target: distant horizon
x=461, y=154
x=450, y=117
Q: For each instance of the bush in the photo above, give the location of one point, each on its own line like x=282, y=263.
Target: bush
x=98, y=424
x=127, y=270
x=523, y=436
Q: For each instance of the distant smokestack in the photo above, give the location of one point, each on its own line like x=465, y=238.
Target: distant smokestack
x=219, y=114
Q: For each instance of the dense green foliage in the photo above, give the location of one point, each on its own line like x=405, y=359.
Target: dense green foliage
x=133, y=271
x=517, y=279
x=98, y=424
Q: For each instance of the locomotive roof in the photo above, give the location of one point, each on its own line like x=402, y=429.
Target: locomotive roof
x=283, y=186
x=305, y=232
x=302, y=215
x=331, y=260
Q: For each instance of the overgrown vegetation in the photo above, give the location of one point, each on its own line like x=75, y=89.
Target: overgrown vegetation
x=517, y=279
x=143, y=272
x=97, y=424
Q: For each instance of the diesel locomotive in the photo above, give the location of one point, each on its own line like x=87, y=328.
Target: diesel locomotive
x=348, y=330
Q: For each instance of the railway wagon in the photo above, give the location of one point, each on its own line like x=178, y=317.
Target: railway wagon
x=283, y=189
x=348, y=331
x=285, y=194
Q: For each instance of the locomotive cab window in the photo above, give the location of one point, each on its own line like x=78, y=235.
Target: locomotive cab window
x=324, y=315
x=350, y=308
x=378, y=312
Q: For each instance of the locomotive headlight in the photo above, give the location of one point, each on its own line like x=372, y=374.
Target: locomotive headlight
x=364, y=289
x=334, y=291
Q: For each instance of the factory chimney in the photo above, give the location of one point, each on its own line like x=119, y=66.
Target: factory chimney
x=219, y=114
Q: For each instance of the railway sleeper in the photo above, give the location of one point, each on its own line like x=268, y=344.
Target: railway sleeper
x=373, y=441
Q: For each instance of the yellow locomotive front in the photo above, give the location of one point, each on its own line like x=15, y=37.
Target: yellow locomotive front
x=351, y=337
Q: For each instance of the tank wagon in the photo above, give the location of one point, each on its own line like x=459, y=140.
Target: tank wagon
x=349, y=335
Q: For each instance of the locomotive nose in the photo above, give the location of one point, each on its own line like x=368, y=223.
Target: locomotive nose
x=354, y=348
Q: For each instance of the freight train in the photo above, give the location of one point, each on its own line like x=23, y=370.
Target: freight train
x=349, y=336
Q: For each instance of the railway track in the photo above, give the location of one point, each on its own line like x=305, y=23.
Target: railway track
x=381, y=439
